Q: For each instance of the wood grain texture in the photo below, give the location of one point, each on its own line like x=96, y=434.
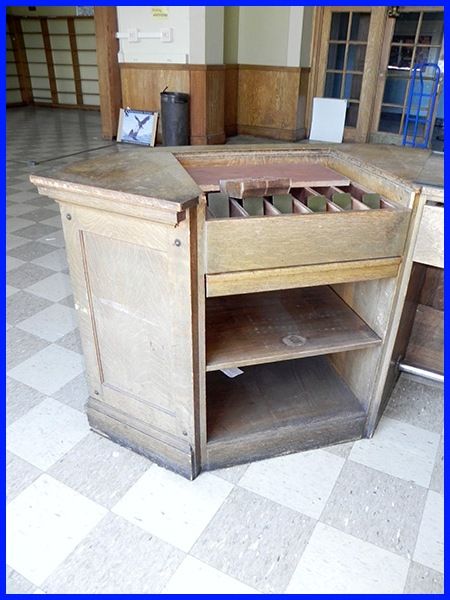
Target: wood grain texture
x=262, y=328
x=231, y=99
x=268, y=101
x=426, y=345
x=75, y=60
x=432, y=292
x=136, y=178
x=278, y=408
x=265, y=280
x=299, y=174
x=49, y=59
x=373, y=234
x=109, y=83
x=429, y=248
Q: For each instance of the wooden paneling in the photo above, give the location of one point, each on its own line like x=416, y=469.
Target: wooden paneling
x=373, y=234
x=49, y=59
x=268, y=100
x=432, y=293
x=426, y=345
x=207, y=91
x=108, y=68
x=231, y=99
x=75, y=60
x=429, y=248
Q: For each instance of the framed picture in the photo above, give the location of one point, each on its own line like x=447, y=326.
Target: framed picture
x=137, y=126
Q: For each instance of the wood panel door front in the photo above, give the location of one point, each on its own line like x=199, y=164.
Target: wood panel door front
x=348, y=62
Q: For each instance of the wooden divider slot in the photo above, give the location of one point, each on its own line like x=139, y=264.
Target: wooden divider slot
x=358, y=192
x=269, y=208
x=236, y=210
x=300, y=208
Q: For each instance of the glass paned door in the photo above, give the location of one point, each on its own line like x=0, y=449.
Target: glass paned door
x=411, y=38
x=347, y=55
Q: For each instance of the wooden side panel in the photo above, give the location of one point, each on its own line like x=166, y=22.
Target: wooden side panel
x=268, y=100
x=429, y=248
x=426, y=345
x=263, y=243
x=132, y=288
x=215, y=104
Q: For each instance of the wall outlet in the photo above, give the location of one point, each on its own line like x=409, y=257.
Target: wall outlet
x=166, y=34
x=133, y=35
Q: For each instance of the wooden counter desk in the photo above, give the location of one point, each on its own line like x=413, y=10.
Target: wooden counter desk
x=290, y=264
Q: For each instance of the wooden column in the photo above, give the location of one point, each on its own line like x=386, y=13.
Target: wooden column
x=207, y=97
x=49, y=59
x=20, y=56
x=75, y=59
x=108, y=68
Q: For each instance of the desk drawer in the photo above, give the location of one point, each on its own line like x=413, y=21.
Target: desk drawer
x=243, y=242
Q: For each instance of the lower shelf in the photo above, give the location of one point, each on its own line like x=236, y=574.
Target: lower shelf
x=279, y=408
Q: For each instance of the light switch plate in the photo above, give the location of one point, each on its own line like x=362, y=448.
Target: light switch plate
x=166, y=35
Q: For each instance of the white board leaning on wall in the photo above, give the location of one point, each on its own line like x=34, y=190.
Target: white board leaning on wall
x=328, y=118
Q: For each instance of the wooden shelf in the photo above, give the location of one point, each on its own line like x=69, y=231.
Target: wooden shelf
x=251, y=329
x=279, y=407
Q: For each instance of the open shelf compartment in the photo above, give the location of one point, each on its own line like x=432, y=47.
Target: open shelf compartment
x=249, y=329
x=279, y=408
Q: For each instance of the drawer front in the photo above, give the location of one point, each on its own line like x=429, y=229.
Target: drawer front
x=240, y=244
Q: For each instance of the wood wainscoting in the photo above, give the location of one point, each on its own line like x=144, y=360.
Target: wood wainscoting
x=266, y=101
x=142, y=84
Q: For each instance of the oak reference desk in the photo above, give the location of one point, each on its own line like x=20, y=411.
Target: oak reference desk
x=290, y=264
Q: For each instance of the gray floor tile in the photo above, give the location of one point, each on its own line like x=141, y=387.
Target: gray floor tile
x=376, y=508
x=36, y=231
x=255, y=540
x=75, y=393
x=31, y=251
x=23, y=305
x=21, y=345
x=27, y=274
x=437, y=477
x=342, y=450
x=20, y=399
x=14, y=241
x=52, y=323
x=99, y=469
x=232, y=474
x=41, y=214
x=417, y=403
x=116, y=558
x=16, y=584
x=423, y=580
x=72, y=341
x=19, y=475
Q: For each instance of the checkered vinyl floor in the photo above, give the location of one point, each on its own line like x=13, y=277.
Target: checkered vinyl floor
x=87, y=516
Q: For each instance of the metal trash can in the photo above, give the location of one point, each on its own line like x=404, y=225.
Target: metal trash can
x=175, y=118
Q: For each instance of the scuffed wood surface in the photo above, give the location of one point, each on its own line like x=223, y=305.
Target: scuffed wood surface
x=262, y=328
x=139, y=177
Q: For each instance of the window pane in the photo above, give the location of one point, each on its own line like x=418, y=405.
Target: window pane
x=336, y=53
x=333, y=83
x=352, y=86
x=432, y=28
x=359, y=30
x=426, y=55
x=395, y=90
x=356, y=57
x=400, y=57
x=406, y=27
x=339, y=26
x=352, y=114
x=390, y=119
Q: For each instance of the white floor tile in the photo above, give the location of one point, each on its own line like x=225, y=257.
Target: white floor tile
x=44, y=524
x=56, y=287
x=49, y=370
x=57, y=260
x=301, y=481
x=46, y=432
x=399, y=449
x=14, y=241
x=15, y=210
x=52, y=323
x=430, y=542
x=194, y=577
x=171, y=507
x=337, y=563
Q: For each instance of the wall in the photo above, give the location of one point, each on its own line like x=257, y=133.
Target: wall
x=263, y=35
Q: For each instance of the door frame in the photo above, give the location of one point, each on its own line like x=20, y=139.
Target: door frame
x=320, y=40
x=376, y=136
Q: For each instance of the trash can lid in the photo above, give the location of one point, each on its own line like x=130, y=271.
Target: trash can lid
x=174, y=97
